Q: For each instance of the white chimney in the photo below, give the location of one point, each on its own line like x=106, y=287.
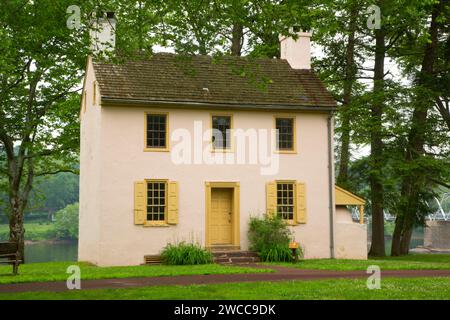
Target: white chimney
x=103, y=33
x=297, y=52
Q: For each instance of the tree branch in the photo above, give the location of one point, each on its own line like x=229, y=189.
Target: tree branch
x=441, y=183
x=46, y=173
x=445, y=112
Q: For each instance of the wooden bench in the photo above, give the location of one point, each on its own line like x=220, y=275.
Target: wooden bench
x=9, y=254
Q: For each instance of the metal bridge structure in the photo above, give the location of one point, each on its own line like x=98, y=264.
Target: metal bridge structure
x=441, y=210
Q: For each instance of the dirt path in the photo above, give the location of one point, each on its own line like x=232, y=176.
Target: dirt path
x=280, y=274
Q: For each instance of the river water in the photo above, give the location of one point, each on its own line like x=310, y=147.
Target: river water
x=51, y=251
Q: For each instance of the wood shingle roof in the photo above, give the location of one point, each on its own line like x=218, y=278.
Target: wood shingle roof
x=224, y=80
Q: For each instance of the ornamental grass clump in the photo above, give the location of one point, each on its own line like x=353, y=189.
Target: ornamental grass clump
x=185, y=254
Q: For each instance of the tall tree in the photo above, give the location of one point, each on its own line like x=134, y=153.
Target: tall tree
x=349, y=82
x=192, y=26
x=376, y=143
x=40, y=69
x=339, y=30
x=416, y=180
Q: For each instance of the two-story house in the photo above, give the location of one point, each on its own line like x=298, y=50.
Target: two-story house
x=177, y=148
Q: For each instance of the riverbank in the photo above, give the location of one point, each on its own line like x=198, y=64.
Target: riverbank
x=52, y=241
x=35, y=232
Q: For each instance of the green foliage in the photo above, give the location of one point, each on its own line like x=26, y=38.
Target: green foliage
x=270, y=237
x=185, y=254
x=66, y=224
x=276, y=253
x=52, y=193
x=33, y=231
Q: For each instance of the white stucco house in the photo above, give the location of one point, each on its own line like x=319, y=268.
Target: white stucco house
x=177, y=148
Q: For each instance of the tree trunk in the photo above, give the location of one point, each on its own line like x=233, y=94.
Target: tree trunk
x=350, y=72
x=397, y=236
x=376, y=143
x=237, y=39
x=16, y=227
x=21, y=175
x=406, y=239
x=414, y=182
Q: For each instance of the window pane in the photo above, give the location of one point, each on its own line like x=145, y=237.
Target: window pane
x=221, y=126
x=156, y=131
x=285, y=133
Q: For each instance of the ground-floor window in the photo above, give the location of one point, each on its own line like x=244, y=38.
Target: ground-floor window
x=156, y=200
x=285, y=200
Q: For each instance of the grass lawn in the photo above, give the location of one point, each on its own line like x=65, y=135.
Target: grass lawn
x=391, y=288
x=410, y=262
x=33, y=231
x=52, y=271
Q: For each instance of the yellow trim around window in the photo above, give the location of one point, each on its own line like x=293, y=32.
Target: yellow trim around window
x=294, y=129
x=149, y=149
x=222, y=114
x=290, y=222
x=159, y=223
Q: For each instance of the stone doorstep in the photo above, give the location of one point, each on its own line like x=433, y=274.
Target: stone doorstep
x=235, y=257
x=230, y=254
x=220, y=255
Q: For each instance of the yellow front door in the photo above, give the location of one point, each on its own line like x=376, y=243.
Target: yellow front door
x=220, y=228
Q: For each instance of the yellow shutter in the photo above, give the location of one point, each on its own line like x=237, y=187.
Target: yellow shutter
x=271, y=198
x=140, y=202
x=301, y=202
x=172, y=202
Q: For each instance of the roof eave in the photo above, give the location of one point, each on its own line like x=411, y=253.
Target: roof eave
x=108, y=101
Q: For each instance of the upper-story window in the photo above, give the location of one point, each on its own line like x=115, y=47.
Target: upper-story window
x=285, y=136
x=157, y=126
x=221, y=136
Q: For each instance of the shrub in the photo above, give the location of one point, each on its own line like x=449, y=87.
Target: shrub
x=66, y=224
x=270, y=237
x=185, y=253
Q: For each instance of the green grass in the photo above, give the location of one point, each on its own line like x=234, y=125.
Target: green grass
x=33, y=231
x=391, y=288
x=53, y=271
x=410, y=262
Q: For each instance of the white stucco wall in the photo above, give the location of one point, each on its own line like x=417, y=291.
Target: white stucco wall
x=90, y=179
x=113, y=157
x=350, y=237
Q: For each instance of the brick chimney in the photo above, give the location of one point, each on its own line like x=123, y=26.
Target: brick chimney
x=103, y=33
x=297, y=52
